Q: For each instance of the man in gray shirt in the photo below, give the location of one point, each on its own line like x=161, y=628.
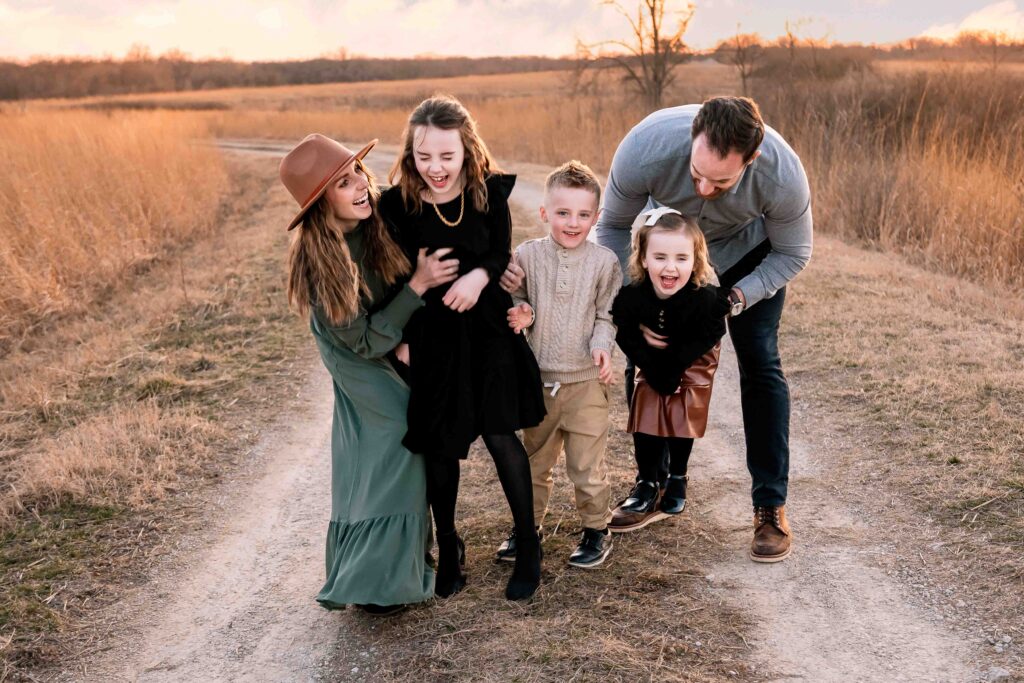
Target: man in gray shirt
x=747, y=189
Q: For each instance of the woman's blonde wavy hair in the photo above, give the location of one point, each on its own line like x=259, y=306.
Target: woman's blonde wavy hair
x=321, y=271
x=447, y=113
x=702, y=272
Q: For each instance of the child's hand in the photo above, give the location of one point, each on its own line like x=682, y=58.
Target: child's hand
x=464, y=294
x=658, y=341
x=520, y=317
x=402, y=353
x=603, y=360
x=512, y=279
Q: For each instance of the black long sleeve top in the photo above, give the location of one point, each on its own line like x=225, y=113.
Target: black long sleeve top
x=693, y=319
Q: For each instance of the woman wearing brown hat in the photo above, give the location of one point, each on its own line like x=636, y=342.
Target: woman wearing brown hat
x=348, y=275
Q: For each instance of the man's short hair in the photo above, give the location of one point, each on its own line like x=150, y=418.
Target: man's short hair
x=574, y=174
x=730, y=124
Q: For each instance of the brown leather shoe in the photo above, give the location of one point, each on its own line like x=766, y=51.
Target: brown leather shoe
x=772, y=536
x=638, y=510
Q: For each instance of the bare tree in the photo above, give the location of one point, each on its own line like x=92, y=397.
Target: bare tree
x=745, y=50
x=655, y=47
x=816, y=45
x=990, y=46
x=791, y=41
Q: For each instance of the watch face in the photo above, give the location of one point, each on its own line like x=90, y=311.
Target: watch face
x=736, y=309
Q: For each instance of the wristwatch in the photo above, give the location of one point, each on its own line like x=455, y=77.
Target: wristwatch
x=735, y=304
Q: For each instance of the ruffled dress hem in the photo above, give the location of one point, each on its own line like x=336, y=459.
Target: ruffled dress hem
x=378, y=561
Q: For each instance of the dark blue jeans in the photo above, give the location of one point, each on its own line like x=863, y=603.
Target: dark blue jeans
x=764, y=391
x=764, y=396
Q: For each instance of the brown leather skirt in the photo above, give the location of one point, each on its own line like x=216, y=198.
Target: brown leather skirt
x=681, y=414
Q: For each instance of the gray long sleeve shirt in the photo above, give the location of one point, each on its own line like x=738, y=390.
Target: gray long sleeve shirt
x=772, y=200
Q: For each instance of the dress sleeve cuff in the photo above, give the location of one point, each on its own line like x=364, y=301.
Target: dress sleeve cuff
x=401, y=308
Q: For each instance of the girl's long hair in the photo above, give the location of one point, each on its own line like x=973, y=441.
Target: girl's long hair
x=321, y=271
x=447, y=113
x=670, y=222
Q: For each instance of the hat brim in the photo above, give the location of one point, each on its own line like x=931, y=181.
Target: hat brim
x=358, y=156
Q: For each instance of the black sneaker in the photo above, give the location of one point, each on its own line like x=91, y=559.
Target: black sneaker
x=593, y=549
x=673, y=500
x=507, y=550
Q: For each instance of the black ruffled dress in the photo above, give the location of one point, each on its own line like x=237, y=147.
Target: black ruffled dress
x=469, y=373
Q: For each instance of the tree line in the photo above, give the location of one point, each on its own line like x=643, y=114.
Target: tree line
x=140, y=72
x=646, y=59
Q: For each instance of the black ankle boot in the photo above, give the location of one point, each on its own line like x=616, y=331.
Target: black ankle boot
x=526, y=576
x=674, y=499
x=451, y=558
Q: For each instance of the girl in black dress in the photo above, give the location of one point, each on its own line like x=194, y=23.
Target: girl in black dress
x=672, y=301
x=470, y=375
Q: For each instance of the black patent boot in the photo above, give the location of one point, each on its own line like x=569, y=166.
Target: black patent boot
x=451, y=558
x=674, y=499
x=526, y=576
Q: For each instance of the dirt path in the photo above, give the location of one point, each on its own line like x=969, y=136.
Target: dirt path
x=827, y=613
x=235, y=603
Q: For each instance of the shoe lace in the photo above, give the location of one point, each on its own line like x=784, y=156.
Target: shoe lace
x=767, y=514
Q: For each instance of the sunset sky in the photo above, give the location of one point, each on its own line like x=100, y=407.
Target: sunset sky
x=271, y=30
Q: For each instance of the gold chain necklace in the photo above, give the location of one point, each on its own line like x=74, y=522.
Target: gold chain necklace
x=462, y=207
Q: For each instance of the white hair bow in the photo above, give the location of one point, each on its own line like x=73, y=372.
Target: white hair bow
x=652, y=216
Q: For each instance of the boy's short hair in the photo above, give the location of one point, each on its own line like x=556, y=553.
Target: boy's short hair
x=574, y=174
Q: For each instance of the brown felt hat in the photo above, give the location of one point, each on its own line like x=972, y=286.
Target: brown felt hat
x=310, y=167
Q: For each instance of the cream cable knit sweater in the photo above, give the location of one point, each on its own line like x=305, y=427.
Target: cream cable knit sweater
x=571, y=292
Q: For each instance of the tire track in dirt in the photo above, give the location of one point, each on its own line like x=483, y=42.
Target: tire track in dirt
x=236, y=603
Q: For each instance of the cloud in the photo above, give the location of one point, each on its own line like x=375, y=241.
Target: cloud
x=1000, y=16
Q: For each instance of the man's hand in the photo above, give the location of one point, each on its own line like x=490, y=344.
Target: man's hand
x=520, y=317
x=512, y=279
x=464, y=292
x=603, y=360
x=653, y=339
x=402, y=353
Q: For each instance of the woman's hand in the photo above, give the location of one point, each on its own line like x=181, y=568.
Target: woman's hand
x=658, y=341
x=603, y=360
x=464, y=294
x=433, y=270
x=402, y=353
x=520, y=317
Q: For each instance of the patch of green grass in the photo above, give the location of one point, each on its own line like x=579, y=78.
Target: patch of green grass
x=40, y=560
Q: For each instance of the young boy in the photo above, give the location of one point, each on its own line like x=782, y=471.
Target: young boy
x=564, y=304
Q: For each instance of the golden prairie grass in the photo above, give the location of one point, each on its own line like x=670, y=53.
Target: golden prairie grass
x=920, y=158
x=85, y=197
x=929, y=166
x=112, y=411
x=536, y=117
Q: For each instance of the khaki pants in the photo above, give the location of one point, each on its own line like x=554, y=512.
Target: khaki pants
x=578, y=418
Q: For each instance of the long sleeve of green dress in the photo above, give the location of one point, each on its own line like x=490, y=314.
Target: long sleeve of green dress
x=372, y=335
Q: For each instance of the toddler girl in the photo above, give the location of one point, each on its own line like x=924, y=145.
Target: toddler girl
x=670, y=321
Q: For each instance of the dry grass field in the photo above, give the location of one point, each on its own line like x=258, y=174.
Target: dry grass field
x=88, y=198
x=111, y=417
x=924, y=159
x=142, y=321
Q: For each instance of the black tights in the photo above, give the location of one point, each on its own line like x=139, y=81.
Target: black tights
x=651, y=449
x=513, y=467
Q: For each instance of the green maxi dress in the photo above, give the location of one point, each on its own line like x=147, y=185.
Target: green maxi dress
x=376, y=540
